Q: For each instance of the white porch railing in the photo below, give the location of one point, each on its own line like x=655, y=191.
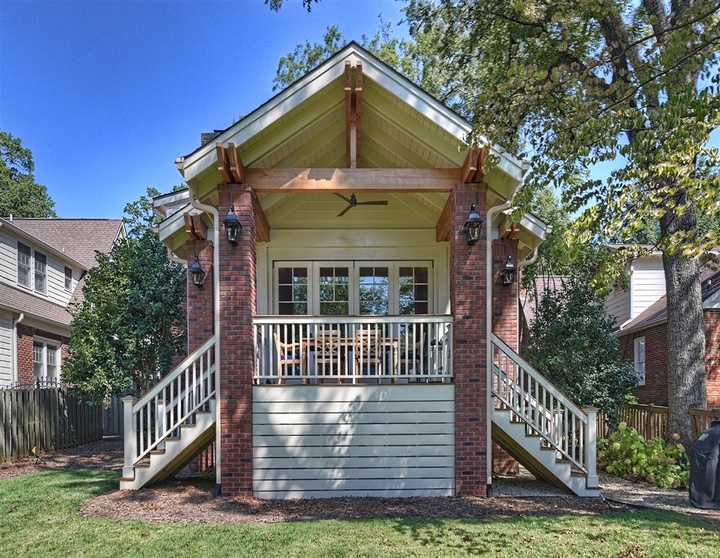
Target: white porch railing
x=569, y=430
x=349, y=349
x=173, y=402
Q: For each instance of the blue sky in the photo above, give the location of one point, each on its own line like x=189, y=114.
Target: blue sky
x=107, y=94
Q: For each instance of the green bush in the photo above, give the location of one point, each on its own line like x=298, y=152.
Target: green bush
x=626, y=454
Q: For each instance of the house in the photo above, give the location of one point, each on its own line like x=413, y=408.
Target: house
x=42, y=265
x=352, y=305
x=643, y=341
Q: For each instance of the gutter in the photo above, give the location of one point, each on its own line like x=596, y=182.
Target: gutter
x=214, y=214
x=488, y=317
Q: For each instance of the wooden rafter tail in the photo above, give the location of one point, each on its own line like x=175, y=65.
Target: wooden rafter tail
x=348, y=114
x=358, y=111
x=469, y=165
x=237, y=169
x=199, y=227
x=480, y=166
x=508, y=232
x=189, y=228
x=223, y=163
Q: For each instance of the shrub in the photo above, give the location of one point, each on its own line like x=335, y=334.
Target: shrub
x=628, y=455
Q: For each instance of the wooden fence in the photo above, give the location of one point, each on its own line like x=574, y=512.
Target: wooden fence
x=651, y=421
x=47, y=419
x=114, y=418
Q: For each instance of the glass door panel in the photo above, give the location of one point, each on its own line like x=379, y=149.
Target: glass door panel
x=334, y=289
x=374, y=291
x=292, y=291
x=414, y=290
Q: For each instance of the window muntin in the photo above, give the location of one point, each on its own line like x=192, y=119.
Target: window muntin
x=24, y=261
x=374, y=291
x=640, y=360
x=40, y=272
x=46, y=361
x=292, y=291
x=334, y=287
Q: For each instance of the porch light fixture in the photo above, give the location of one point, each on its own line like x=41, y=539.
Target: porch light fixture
x=232, y=226
x=508, y=272
x=472, y=226
x=198, y=275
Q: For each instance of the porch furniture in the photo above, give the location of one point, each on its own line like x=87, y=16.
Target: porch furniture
x=292, y=359
x=370, y=346
x=411, y=357
x=329, y=353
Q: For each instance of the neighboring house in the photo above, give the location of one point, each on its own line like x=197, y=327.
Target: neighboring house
x=643, y=340
x=42, y=265
x=357, y=334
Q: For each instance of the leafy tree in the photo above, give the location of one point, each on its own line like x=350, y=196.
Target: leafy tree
x=571, y=345
x=20, y=195
x=574, y=84
x=131, y=322
x=275, y=5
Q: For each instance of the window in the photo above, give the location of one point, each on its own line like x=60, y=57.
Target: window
x=374, y=291
x=24, y=257
x=46, y=361
x=40, y=272
x=68, y=279
x=640, y=360
x=292, y=291
x=414, y=290
x=334, y=291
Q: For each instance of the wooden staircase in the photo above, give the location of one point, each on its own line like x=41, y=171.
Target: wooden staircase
x=173, y=422
x=539, y=426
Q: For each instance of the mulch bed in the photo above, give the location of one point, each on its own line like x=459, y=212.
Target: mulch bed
x=191, y=501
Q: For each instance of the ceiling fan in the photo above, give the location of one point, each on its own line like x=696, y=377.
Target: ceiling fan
x=352, y=201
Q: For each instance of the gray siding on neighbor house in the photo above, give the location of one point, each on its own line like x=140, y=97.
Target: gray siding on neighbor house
x=6, y=357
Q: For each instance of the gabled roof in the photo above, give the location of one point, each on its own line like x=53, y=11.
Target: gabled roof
x=656, y=313
x=76, y=239
x=304, y=126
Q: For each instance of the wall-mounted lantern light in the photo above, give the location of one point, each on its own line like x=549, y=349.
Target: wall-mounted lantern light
x=197, y=273
x=508, y=272
x=232, y=226
x=472, y=226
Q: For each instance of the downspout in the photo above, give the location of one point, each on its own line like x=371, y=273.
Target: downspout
x=20, y=318
x=173, y=258
x=213, y=212
x=488, y=317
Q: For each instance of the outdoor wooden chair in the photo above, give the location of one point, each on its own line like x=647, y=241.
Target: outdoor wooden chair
x=291, y=358
x=369, y=351
x=329, y=356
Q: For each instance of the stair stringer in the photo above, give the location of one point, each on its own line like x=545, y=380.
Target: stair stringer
x=540, y=461
x=177, y=453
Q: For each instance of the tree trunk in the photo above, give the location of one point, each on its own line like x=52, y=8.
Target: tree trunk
x=685, y=330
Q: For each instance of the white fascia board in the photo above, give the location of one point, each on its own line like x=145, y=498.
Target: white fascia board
x=262, y=117
x=534, y=226
x=174, y=223
x=163, y=203
x=712, y=302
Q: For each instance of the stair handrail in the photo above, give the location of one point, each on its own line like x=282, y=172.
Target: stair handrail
x=142, y=433
x=561, y=414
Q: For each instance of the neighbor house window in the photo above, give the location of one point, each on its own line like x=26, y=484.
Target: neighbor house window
x=40, y=272
x=45, y=361
x=24, y=259
x=640, y=360
x=68, y=279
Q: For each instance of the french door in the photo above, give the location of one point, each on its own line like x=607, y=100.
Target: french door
x=341, y=288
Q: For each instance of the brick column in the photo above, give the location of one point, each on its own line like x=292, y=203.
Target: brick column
x=200, y=301
x=505, y=325
x=238, y=293
x=468, y=296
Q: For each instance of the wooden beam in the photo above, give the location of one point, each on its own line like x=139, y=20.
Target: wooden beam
x=348, y=116
x=352, y=180
x=504, y=231
x=189, y=229
x=480, y=166
x=469, y=165
x=223, y=163
x=444, y=224
x=261, y=223
x=237, y=169
x=199, y=227
x=358, y=111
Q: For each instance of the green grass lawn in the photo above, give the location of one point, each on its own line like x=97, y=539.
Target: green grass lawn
x=38, y=517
